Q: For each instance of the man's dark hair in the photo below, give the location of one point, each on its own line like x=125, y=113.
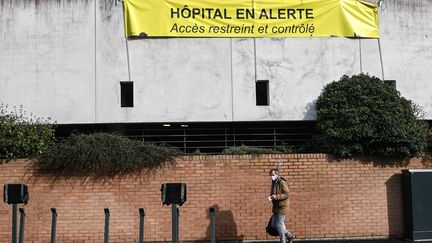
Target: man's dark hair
x=275, y=170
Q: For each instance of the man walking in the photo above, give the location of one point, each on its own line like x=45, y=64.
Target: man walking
x=279, y=196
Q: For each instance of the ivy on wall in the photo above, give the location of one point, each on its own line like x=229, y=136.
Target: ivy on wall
x=103, y=154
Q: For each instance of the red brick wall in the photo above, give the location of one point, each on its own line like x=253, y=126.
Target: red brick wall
x=328, y=199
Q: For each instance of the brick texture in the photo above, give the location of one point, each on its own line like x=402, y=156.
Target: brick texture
x=329, y=199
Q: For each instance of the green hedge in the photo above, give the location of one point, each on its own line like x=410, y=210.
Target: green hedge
x=363, y=115
x=281, y=149
x=23, y=135
x=241, y=150
x=103, y=154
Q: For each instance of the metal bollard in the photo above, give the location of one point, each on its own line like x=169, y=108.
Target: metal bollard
x=106, y=234
x=14, y=222
x=178, y=225
x=212, y=226
x=175, y=221
x=141, y=230
x=53, y=225
x=22, y=222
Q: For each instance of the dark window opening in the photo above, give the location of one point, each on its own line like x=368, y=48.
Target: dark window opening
x=262, y=92
x=210, y=137
x=205, y=137
x=126, y=94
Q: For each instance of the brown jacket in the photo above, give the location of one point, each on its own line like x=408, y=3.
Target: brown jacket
x=281, y=204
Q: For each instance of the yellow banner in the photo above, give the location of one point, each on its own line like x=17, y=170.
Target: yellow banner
x=250, y=18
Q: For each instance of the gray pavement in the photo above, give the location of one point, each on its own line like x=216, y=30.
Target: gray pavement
x=355, y=241
x=319, y=241
x=338, y=241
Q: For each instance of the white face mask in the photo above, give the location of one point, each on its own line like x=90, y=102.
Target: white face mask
x=274, y=177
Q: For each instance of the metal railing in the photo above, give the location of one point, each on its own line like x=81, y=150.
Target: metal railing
x=210, y=137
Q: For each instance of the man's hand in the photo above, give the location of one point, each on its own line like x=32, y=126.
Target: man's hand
x=273, y=197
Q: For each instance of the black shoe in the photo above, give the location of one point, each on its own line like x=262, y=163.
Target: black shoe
x=291, y=239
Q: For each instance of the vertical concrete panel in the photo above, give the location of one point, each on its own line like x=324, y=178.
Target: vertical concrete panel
x=243, y=73
x=112, y=65
x=370, y=57
x=346, y=56
x=406, y=43
x=178, y=79
x=297, y=70
x=47, y=60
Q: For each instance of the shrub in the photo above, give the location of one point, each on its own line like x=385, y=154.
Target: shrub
x=241, y=150
x=22, y=135
x=429, y=137
x=285, y=149
x=308, y=147
x=363, y=115
x=103, y=154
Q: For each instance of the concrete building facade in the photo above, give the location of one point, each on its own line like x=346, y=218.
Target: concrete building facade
x=65, y=59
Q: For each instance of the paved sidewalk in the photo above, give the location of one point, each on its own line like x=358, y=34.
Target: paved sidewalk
x=352, y=241
x=344, y=241
x=355, y=241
